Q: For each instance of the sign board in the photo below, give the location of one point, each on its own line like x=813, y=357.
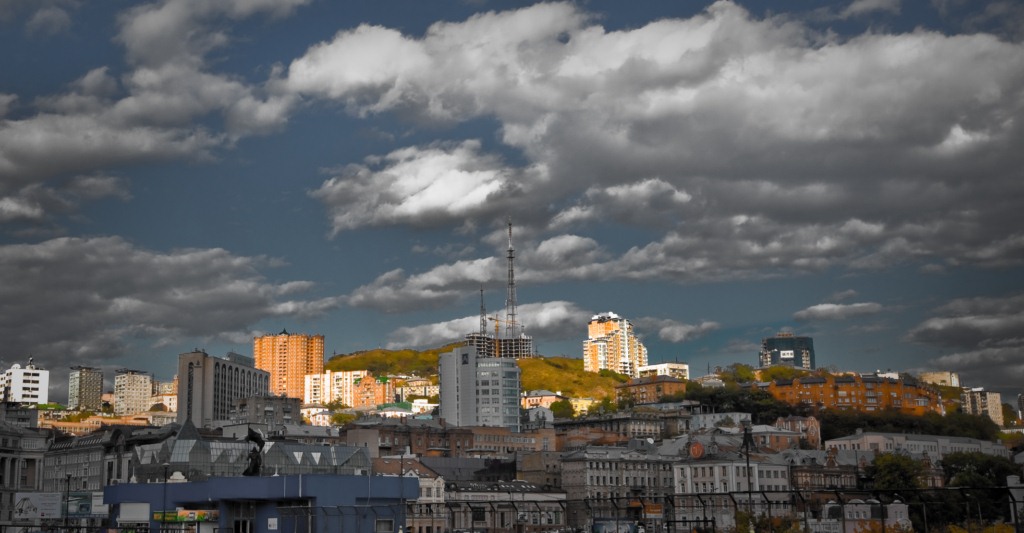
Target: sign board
x=31, y=505
x=272, y=523
x=187, y=515
x=786, y=354
x=79, y=504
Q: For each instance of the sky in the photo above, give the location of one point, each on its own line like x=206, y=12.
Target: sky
x=184, y=174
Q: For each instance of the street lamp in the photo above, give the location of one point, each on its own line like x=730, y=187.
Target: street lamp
x=67, y=497
x=163, y=505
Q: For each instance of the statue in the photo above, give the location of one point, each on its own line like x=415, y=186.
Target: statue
x=255, y=458
x=255, y=462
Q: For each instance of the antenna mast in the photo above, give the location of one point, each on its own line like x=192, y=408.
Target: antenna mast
x=483, y=313
x=510, y=300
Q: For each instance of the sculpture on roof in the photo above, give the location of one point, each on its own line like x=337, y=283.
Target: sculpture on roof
x=255, y=457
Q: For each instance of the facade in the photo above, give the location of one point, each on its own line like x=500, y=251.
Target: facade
x=332, y=386
x=504, y=506
x=540, y=398
x=85, y=389
x=208, y=387
x=273, y=412
x=934, y=446
x=603, y=482
x=608, y=429
x=308, y=503
x=479, y=391
x=787, y=349
x=133, y=392
x=650, y=389
x=948, y=379
x=808, y=427
x=30, y=384
x=978, y=401
x=865, y=393
x=289, y=358
x=612, y=344
x=21, y=466
x=369, y=392
x=676, y=370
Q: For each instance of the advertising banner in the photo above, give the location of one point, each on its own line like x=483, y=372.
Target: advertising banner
x=32, y=505
x=187, y=515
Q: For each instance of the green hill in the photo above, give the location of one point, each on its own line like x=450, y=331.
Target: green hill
x=379, y=361
x=551, y=373
x=567, y=375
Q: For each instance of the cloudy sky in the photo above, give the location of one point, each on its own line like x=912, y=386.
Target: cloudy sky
x=187, y=174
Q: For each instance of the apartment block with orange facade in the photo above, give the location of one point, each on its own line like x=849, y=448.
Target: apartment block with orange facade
x=368, y=392
x=650, y=389
x=612, y=344
x=864, y=393
x=289, y=358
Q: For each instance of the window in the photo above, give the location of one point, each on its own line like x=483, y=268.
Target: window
x=384, y=525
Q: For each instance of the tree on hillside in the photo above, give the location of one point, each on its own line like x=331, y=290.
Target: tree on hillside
x=782, y=372
x=1010, y=417
x=976, y=469
x=563, y=409
x=737, y=373
x=895, y=471
x=761, y=405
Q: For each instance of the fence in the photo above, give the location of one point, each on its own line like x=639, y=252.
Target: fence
x=820, y=511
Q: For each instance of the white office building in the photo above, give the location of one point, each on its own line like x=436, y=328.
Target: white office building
x=479, y=391
x=30, y=384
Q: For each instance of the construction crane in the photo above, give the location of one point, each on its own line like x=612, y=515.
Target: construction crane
x=497, y=328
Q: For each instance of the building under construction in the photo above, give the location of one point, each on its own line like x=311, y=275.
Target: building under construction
x=509, y=338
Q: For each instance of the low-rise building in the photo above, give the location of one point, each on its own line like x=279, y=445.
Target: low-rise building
x=864, y=393
x=650, y=389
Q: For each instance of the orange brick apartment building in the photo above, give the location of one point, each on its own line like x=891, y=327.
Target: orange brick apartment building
x=863, y=393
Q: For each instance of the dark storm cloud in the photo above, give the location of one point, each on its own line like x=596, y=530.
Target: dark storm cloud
x=81, y=300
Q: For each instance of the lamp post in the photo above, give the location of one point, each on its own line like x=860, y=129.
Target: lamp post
x=163, y=504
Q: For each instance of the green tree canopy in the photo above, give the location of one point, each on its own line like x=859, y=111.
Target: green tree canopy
x=895, y=471
x=563, y=409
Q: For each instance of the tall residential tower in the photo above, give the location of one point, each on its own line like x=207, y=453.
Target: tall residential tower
x=85, y=388
x=289, y=358
x=613, y=345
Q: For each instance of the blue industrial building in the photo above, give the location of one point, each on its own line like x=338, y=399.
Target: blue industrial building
x=311, y=503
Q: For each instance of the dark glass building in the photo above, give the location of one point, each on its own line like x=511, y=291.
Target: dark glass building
x=787, y=349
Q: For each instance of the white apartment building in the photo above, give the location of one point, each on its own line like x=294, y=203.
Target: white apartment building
x=675, y=370
x=133, y=392
x=332, y=386
x=30, y=384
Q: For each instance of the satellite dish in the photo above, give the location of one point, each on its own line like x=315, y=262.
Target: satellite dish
x=650, y=440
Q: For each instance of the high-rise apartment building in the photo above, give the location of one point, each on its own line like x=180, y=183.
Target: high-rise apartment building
x=30, y=384
x=978, y=401
x=85, y=389
x=612, y=344
x=133, y=392
x=209, y=387
x=479, y=391
x=332, y=386
x=289, y=358
x=787, y=349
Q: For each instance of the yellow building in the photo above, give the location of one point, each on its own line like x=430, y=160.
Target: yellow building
x=289, y=358
x=613, y=345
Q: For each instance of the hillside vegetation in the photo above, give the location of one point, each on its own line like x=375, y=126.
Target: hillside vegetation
x=567, y=376
x=551, y=373
x=380, y=362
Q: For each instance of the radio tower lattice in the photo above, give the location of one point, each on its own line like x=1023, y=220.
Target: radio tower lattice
x=510, y=299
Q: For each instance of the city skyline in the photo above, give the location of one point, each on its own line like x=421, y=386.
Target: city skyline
x=178, y=175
